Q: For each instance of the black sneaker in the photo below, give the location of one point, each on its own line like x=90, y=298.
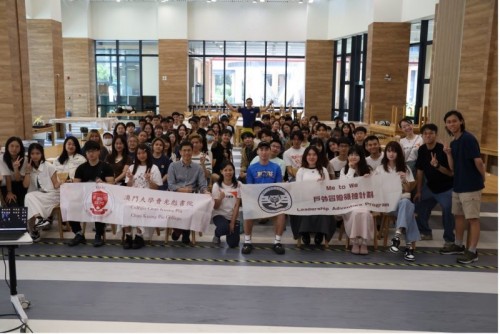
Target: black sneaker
x=78, y=239
x=306, y=239
x=40, y=222
x=35, y=235
x=318, y=239
x=395, y=245
x=98, y=241
x=409, y=256
x=127, y=243
x=176, y=234
x=247, y=248
x=279, y=249
x=452, y=249
x=468, y=257
x=138, y=242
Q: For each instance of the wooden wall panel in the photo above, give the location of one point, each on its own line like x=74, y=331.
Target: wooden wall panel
x=387, y=53
x=319, y=79
x=445, y=70
x=15, y=111
x=475, y=64
x=173, y=62
x=80, y=77
x=46, y=68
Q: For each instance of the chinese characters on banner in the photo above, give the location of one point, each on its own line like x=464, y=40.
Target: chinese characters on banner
x=101, y=202
x=375, y=193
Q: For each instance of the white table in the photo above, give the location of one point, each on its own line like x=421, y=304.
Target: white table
x=105, y=123
x=16, y=300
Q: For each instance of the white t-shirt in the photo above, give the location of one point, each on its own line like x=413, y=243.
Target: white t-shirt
x=231, y=196
x=309, y=174
x=409, y=176
x=293, y=157
x=410, y=147
x=4, y=169
x=41, y=178
x=70, y=165
x=208, y=162
x=140, y=180
x=337, y=165
x=374, y=163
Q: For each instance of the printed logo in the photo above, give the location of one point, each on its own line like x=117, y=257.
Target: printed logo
x=99, y=203
x=275, y=199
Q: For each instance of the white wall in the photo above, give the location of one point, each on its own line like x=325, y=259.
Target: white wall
x=247, y=21
x=387, y=10
x=349, y=17
x=173, y=20
x=318, y=18
x=43, y=9
x=124, y=20
x=414, y=10
x=76, y=19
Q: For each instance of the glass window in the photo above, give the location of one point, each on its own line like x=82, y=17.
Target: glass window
x=195, y=47
x=348, y=68
x=214, y=79
x=235, y=78
x=276, y=48
x=415, y=33
x=214, y=48
x=425, y=98
x=296, y=49
x=235, y=48
x=130, y=90
x=346, y=97
x=295, y=83
x=256, y=48
x=128, y=47
x=339, y=47
x=107, y=84
x=105, y=47
x=337, y=82
x=196, y=80
x=149, y=47
x=349, y=45
x=275, y=81
x=428, y=61
x=254, y=84
x=430, y=30
x=150, y=83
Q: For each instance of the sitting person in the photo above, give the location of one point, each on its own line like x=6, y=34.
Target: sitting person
x=226, y=194
x=40, y=179
x=70, y=158
x=359, y=222
x=393, y=162
x=12, y=166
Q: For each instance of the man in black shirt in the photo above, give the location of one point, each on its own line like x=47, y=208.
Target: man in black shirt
x=433, y=164
x=91, y=171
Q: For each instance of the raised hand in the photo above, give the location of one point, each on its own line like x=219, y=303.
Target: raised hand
x=434, y=161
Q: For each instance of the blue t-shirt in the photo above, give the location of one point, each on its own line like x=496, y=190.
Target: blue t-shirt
x=466, y=177
x=249, y=115
x=270, y=173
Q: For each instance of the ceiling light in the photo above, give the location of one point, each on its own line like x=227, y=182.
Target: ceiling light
x=118, y=0
x=301, y=2
x=262, y=0
x=311, y=1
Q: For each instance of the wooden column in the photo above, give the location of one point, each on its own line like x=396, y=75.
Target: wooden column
x=80, y=76
x=173, y=59
x=46, y=68
x=387, y=54
x=319, y=79
x=15, y=104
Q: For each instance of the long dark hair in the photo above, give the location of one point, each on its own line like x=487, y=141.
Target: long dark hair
x=115, y=133
x=329, y=154
x=363, y=167
x=114, y=154
x=149, y=160
x=318, y=166
x=31, y=148
x=64, y=155
x=7, y=158
x=460, y=118
x=394, y=146
x=322, y=159
x=349, y=134
x=221, y=177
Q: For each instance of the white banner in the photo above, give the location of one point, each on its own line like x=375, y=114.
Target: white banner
x=376, y=192
x=102, y=202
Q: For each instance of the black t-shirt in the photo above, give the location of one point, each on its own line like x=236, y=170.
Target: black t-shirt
x=87, y=173
x=436, y=181
x=221, y=154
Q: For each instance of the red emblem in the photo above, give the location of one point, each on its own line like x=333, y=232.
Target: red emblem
x=99, y=201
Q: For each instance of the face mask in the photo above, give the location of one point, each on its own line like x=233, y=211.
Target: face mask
x=210, y=138
x=107, y=141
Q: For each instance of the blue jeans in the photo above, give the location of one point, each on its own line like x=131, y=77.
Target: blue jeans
x=405, y=218
x=423, y=208
x=222, y=228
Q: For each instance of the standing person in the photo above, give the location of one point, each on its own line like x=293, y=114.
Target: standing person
x=161, y=160
x=119, y=159
x=248, y=152
x=359, y=138
x=433, y=164
x=43, y=189
x=468, y=180
x=187, y=177
x=347, y=133
x=13, y=165
x=227, y=201
x=264, y=171
x=394, y=163
x=142, y=174
x=94, y=170
x=312, y=171
x=248, y=112
x=340, y=160
x=410, y=143
x=358, y=223
x=293, y=157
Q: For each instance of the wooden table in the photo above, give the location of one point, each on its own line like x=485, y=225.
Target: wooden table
x=128, y=115
x=47, y=128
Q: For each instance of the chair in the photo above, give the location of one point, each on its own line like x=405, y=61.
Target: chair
x=56, y=213
x=169, y=230
x=375, y=234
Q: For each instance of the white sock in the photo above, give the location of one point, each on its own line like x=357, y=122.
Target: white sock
x=277, y=239
x=248, y=239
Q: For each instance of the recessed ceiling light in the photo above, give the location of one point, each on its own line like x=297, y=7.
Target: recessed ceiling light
x=311, y=1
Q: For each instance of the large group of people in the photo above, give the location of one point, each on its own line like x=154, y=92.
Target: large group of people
x=195, y=156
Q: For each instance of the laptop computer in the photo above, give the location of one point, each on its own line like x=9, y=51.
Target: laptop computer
x=13, y=223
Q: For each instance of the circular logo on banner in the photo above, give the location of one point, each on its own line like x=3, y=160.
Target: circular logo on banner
x=98, y=203
x=274, y=199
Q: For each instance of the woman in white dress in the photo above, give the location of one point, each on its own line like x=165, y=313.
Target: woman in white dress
x=43, y=189
x=141, y=174
x=410, y=143
x=359, y=222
